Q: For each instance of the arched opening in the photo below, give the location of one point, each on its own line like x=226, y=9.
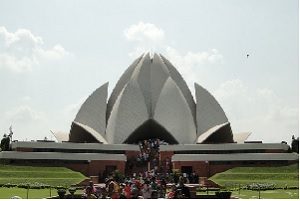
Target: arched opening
x=79, y=135
x=150, y=130
x=222, y=135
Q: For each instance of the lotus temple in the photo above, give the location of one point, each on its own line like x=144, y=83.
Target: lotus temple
x=151, y=100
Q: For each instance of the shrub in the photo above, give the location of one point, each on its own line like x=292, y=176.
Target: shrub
x=262, y=187
x=23, y=185
x=80, y=188
x=60, y=187
x=72, y=190
x=9, y=185
x=61, y=192
x=34, y=185
x=223, y=194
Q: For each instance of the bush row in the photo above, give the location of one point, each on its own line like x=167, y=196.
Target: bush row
x=34, y=185
x=257, y=186
x=257, y=176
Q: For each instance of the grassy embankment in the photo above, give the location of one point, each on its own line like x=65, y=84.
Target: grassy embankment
x=283, y=178
x=54, y=176
x=279, y=176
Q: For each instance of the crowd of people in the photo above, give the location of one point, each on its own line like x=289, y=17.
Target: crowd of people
x=149, y=150
x=149, y=157
x=150, y=184
x=141, y=186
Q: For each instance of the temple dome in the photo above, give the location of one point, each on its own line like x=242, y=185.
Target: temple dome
x=151, y=100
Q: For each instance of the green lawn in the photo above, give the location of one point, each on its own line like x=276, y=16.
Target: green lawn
x=269, y=194
x=54, y=176
x=15, y=168
x=280, y=176
x=6, y=193
x=280, y=169
x=284, y=176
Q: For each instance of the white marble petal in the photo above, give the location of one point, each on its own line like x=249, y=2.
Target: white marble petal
x=128, y=113
x=173, y=113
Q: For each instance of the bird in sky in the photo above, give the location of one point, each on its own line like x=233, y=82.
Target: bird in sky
x=248, y=55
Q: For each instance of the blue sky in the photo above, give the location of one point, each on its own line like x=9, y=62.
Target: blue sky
x=53, y=54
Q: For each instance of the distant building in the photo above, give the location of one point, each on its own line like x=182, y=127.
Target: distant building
x=151, y=100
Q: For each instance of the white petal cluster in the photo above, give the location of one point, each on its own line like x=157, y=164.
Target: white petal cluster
x=151, y=89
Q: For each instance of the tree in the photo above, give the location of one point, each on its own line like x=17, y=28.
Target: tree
x=295, y=144
x=5, y=143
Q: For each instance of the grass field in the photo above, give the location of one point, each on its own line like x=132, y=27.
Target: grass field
x=54, y=176
x=6, y=193
x=280, y=176
x=269, y=194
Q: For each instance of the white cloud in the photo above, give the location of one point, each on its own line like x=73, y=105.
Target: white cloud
x=138, y=51
x=150, y=37
x=192, y=65
x=191, y=59
x=71, y=109
x=21, y=38
x=145, y=36
x=231, y=88
x=23, y=114
x=144, y=32
x=62, y=120
x=26, y=98
x=27, y=122
x=15, y=64
x=259, y=111
x=21, y=51
x=56, y=53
